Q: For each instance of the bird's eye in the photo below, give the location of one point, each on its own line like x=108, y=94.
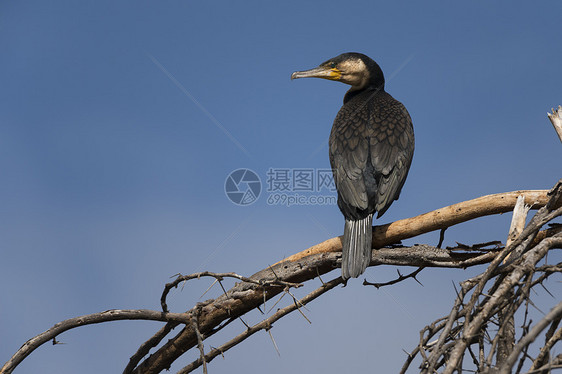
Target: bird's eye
x=332, y=65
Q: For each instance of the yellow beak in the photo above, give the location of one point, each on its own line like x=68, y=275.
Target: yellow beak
x=319, y=72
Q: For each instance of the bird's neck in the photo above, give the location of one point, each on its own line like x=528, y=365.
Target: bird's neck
x=354, y=91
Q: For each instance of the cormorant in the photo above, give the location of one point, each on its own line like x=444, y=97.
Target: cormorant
x=371, y=150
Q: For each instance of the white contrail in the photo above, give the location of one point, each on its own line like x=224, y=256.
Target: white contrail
x=199, y=105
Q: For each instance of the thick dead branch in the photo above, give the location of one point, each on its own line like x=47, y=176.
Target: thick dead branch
x=556, y=120
x=436, y=220
x=518, y=220
x=209, y=317
x=247, y=296
x=506, y=333
x=219, y=277
x=511, y=284
x=320, y=259
x=486, y=310
x=263, y=325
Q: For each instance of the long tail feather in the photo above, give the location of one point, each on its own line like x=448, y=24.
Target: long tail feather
x=356, y=247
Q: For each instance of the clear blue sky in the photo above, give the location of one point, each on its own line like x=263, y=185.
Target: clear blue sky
x=119, y=123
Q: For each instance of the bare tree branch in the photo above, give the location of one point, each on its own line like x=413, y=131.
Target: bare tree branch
x=209, y=317
x=200, y=345
x=556, y=120
x=556, y=363
x=263, y=325
x=555, y=313
x=394, y=281
x=506, y=333
x=108, y=315
x=468, y=321
x=437, y=220
x=551, y=339
x=307, y=266
x=219, y=277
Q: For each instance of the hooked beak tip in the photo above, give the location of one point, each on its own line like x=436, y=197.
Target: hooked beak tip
x=319, y=72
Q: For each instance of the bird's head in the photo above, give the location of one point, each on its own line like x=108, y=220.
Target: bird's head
x=355, y=69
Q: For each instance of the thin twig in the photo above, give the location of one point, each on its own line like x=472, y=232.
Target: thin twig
x=108, y=315
x=394, y=281
x=555, y=313
x=199, y=340
x=441, y=237
x=265, y=324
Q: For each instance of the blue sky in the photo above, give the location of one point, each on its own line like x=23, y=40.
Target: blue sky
x=120, y=122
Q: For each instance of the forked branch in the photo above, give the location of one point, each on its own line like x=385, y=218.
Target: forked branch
x=251, y=292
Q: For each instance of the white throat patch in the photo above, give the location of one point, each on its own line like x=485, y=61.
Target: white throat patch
x=354, y=73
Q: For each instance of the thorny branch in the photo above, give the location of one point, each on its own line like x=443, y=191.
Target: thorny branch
x=465, y=325
x=220, y=277
x=509, y=287
x=263, y=325
x=394, y=281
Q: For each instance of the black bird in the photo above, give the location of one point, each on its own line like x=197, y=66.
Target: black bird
x=371, y=150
